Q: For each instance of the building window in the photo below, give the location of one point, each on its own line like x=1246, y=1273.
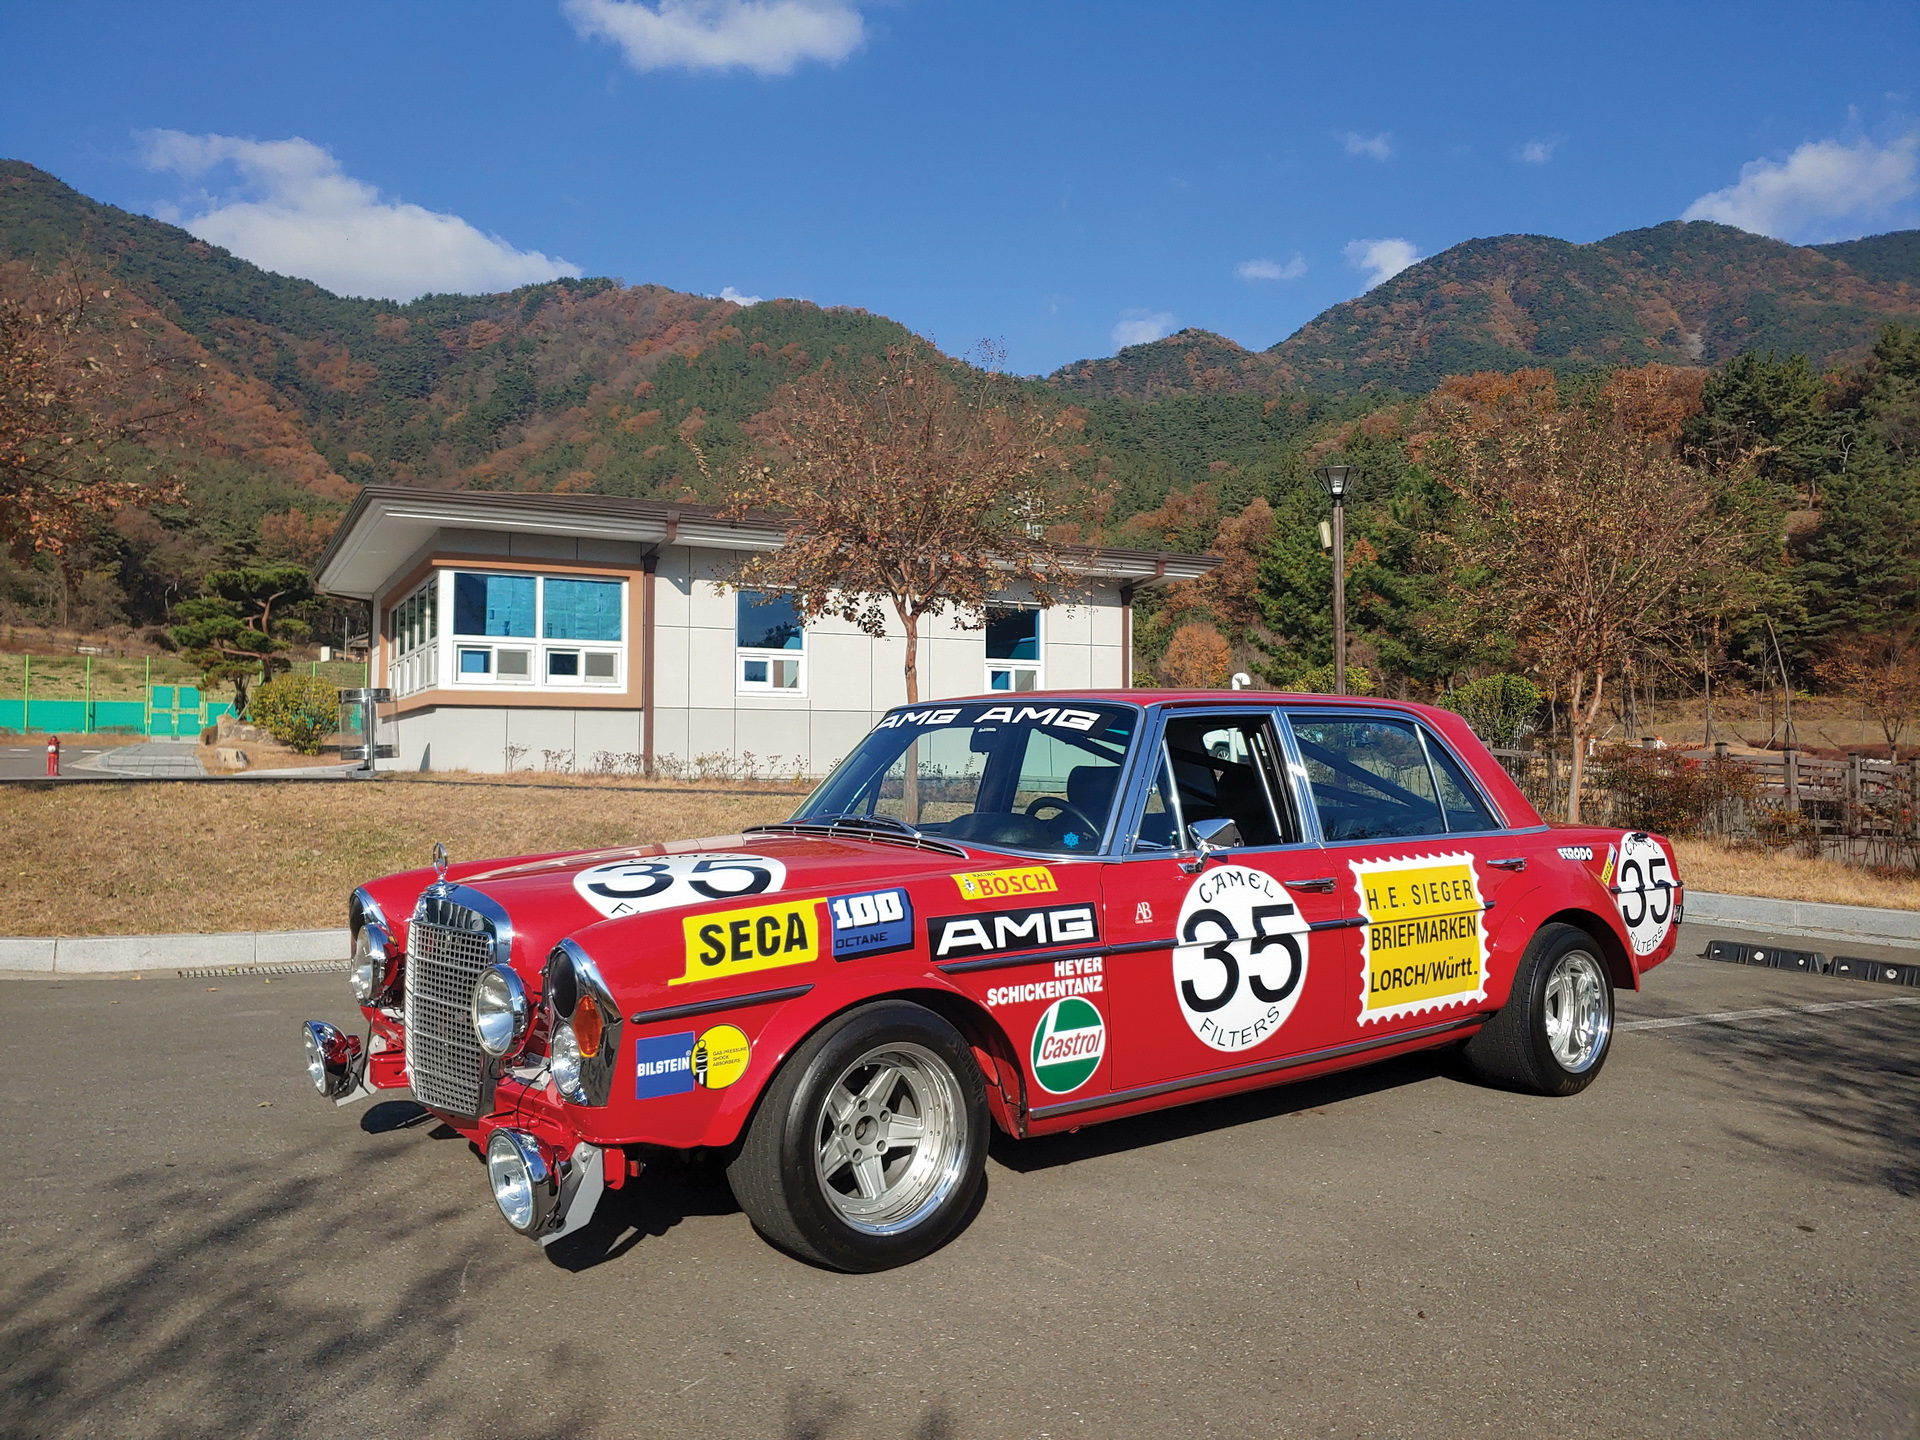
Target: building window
x=581, y=610
x=493, y=605
x=1013, y=648
x=413, y=628
x=770, y=645
x=588, y=617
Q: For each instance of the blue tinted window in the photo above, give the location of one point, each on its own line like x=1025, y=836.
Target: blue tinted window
x=582, y=610
x=1013, y=634
x=476, y=662
x=493, y=605
x=769, y=620
x=563, y=662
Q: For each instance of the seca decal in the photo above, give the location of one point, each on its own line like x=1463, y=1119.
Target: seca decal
x=1423, y=947
x=665, y=1065
x=1576, y=852
x=998, y=930
x=1004, y=884
x=1067, y=1045
x=1242, y=959
x=1646, y=892
x=737, y=942
x=876, y=923
x=721, y=1056
x=634, y=887
x=1072, y=977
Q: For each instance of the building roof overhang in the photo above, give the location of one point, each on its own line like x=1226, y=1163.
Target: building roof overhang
x=387, y=525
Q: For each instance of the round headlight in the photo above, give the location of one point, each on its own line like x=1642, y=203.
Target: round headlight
x=368, y=973
x=522, y=1181
x=564, y=1057
x=316, y=1056
x=500, y=1010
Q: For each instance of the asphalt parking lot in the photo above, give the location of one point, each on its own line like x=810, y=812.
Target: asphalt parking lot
x=1720, y=1238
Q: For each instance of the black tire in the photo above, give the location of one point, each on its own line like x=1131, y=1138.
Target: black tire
x=1516, y=1049
x=780, y=1175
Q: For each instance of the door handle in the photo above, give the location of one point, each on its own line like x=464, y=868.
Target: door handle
x=1322, y=886
x=1512, y=862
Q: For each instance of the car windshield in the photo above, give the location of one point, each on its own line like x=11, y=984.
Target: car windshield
x=1041, y=776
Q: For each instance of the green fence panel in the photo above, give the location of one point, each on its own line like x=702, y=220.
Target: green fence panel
x=10, y=716
x=119, y=715
x=59, y=717
x=216, y=710
x=163, y=697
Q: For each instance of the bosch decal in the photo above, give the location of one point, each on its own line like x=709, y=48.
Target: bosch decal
x=876, y=923
x=995, y=931
x=1006, y=884
x=1423, y=947
x=1242, y=960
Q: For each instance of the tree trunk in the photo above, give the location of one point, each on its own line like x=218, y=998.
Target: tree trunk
x=1580, y=721
x=910, y=779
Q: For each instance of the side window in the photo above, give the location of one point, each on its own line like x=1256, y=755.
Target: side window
x=1464, y=808
x=1370, y=778
x=1215, y=767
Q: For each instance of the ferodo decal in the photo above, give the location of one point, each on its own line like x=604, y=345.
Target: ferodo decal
x=998, y=930
x=737, y=942
x=1576, y=852
x=721, y=1056
x=1242, y=960
x=1006, y=884
x=876, y=923
x=1067, y=1045
x=1646, y=892
x=1423, y=947
x=665, y=1065
x=633, y=887
x=1083, y=976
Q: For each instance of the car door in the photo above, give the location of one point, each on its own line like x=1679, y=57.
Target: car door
x=1229, y=958
x=1421, y=858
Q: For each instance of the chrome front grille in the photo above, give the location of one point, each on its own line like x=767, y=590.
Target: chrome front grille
x=448, y=945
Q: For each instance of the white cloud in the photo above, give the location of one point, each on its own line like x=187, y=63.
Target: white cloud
x=1538, y=152
x=297, y=213
x=1821, y=183
x=1380, y=259
x=768, y=37
x=1137, y=327
x=727, y=292
x=1375, y=147
x=1272, y=269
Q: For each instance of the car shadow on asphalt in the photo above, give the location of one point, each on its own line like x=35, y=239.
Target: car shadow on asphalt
x=1185, y=1121
x=671, y=1187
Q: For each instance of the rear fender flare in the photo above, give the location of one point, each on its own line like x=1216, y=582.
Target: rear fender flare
x=1606, y=938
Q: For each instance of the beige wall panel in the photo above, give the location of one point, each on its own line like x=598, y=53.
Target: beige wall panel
x=543, y=547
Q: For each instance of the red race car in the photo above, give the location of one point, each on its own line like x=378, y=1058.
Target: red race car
x=1033, y=911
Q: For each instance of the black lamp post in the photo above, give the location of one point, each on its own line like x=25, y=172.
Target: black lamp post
x=1337, y=480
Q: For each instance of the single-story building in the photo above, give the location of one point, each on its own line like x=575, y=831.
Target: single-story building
x=582, y=632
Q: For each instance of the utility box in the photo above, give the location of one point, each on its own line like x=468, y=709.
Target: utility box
x=360, y=727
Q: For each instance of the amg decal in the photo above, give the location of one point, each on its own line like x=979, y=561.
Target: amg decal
x=1002, y=930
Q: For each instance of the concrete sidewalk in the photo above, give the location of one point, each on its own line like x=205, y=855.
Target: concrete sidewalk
x=153, y=760
x=1815, y=921
x=114, y=954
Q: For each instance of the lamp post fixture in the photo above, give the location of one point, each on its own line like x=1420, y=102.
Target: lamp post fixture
x=1337, y=480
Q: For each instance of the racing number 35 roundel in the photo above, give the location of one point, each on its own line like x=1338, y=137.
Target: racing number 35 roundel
x=1646, y=892
x=1242, y=957
x=664, y=882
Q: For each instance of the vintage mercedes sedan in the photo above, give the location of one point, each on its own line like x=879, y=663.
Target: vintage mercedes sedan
x=1035, y=912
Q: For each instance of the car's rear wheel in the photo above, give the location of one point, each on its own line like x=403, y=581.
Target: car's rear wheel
x=869, y=1148
x=1556, y=1029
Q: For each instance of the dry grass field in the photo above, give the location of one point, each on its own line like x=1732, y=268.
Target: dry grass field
x=1705, y=865
x=145, y=858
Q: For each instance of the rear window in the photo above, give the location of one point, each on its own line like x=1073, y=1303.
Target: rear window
x=1370, y=778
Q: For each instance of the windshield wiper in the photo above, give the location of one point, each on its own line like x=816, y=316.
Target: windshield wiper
x=855, y=821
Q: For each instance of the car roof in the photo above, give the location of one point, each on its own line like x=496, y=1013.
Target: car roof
x=1181, y=697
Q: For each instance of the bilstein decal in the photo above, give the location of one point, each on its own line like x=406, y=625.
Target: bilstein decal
x=634, y=887
x=737, y=942
x=1242, y=960
x=878, y=922
x=1067, y=1045
x=721, y=1056
x=1070, y=977
x=1424, y=946
x=1646, y=892
x=994, y=931
x=1006, y=884
x=664, y=1065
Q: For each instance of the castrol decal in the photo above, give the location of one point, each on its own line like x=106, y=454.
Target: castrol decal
x=1424, y=946
x=1068, y=1044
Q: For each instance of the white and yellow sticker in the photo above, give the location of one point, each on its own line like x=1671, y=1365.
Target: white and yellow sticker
x=1424, y=946
x=1003, y=884
x=721, y=1056
x=737, y=942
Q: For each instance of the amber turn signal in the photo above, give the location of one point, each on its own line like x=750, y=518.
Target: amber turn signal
x=587, y=1026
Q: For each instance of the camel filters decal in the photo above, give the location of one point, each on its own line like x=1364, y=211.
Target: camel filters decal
x=1646, y=892
x=1242, y=959
x=1423, y=947
x=1068, y=1044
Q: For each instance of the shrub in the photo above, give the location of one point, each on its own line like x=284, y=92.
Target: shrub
x=297, y=710
x=1672, y=793
x=1499, y=708
x=1319, y=680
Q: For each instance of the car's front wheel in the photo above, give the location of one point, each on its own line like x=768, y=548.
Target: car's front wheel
x=1556, y=1029
x=869, y=1147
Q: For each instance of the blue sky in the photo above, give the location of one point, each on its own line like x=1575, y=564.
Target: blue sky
x=1059, y=177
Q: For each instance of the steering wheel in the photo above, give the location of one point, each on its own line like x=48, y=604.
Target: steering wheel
x=1062, y=807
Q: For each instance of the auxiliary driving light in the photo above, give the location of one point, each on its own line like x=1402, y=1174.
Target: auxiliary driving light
x=524, y=1185
x=500, y=1011
x=333, y=1059
x=564, y=1058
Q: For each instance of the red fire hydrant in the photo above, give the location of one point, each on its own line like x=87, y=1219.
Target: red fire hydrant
x=53, y=757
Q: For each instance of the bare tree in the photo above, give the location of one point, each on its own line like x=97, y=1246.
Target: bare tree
x=1881, y=673
x=1582, y=535
x=910, y=485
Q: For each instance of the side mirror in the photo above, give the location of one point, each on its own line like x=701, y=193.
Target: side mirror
x=1210, y=836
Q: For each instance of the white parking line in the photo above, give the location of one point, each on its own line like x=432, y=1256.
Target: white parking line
x=1772, y=1012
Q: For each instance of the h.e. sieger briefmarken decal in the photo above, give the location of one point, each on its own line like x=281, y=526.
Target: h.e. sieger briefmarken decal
x=1424, y=944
